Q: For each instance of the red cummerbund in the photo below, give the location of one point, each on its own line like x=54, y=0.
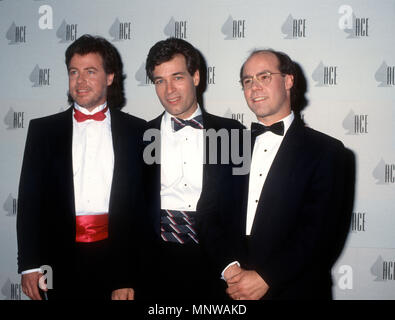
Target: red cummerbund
x=91, y=228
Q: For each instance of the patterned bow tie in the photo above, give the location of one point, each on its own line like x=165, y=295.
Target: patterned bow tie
x=276, y=128
x=98, y=116
x=196, y=122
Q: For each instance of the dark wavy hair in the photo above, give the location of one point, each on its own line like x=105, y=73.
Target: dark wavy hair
x=112, y=63
x=286, y=66
x=165, y=50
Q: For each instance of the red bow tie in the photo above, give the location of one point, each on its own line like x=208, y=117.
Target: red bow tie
x=98, y=116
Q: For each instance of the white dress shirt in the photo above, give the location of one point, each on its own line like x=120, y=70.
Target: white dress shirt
x=181, y=165
x=265, y=149
x=93, y=163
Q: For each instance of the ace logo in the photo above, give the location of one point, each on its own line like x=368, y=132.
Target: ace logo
x=234, y=29
x=121, y=30
x=385, y=75
x=356, y=124
x=67, y=32
x=294, y=28
x=142, y=77
x=384, y=173
x=14, y=119
x=176, y=28
x=40, y=76
x=355, y=27
x=325, y=75
x=16, y=34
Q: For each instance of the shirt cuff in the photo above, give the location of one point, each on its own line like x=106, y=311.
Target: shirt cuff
x=230, y=264
x=31, y=271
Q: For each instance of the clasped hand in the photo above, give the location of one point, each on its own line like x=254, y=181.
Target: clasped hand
x=244, y=284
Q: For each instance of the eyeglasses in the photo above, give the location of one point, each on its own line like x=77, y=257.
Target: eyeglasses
x=264, y=78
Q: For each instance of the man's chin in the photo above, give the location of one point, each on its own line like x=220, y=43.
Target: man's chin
x=84, y=103
x=173, y=111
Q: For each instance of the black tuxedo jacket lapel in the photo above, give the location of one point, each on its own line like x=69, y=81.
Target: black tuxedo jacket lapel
x=62, y=143
x=279, y=172
x=116, y=128
x=207, y=124
x=152, y=189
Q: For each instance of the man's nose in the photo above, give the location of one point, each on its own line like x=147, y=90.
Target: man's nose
x=170, y=87
x=256, y=84
x=80, y=78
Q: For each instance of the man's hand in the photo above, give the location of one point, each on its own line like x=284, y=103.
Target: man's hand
x=123, y=294
x=247, y=285
x=30, y=285
x=231, y=271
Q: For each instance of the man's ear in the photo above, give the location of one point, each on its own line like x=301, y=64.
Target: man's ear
x=196, y=78
x=289, y=81
x=110, y=79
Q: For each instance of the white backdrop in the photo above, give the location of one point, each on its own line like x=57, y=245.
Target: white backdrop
x=347, y=53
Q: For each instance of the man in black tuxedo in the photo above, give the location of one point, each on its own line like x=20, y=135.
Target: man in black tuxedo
x=189, y=198
x=295, y=212
x=80, y=185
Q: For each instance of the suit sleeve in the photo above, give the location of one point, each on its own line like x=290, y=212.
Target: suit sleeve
x=124, y=230
x=30, y=200
x=313, y=238
x=219, y=222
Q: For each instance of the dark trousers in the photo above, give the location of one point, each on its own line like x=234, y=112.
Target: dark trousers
x=180, y=272
x=86, y=277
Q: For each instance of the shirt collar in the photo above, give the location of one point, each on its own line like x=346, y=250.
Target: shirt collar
x=167, y=116
x=287, y=121
x=85, y=111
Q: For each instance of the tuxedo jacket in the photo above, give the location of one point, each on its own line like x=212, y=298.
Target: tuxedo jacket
x=302, y=216
x=46, y=220
x=215, y=207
